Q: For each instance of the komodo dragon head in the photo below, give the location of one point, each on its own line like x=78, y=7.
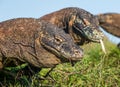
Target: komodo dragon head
x=59, y=43
x=85, y=25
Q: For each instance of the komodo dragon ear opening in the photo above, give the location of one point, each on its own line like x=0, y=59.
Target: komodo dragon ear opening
x=110, y=22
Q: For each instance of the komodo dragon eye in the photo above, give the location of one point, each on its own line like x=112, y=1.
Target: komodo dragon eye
x=80, y=23
x=58, y=39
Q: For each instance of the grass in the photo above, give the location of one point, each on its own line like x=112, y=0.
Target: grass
x=95, y=70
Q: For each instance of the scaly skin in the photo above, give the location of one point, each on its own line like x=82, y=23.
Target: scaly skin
x=80, y=24
x=38, y=43
x=110, y=22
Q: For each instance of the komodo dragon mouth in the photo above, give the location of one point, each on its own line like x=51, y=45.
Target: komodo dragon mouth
x=55, y=40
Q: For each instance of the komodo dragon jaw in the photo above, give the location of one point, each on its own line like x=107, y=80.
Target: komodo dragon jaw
x=60, y=43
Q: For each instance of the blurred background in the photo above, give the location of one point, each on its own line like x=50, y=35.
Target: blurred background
x=10, y=9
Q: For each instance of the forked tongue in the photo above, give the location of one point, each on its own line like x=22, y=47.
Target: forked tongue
x=102, y=45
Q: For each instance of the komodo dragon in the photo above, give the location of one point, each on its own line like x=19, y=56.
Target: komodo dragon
x=38, y=43
x=82, y=25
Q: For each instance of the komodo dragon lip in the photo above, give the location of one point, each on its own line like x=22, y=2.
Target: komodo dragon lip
x=61, y=54
x=90, y=34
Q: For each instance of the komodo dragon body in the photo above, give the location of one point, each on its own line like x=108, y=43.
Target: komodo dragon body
x=80, y=24
x=38, y=43
x=110, y=22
